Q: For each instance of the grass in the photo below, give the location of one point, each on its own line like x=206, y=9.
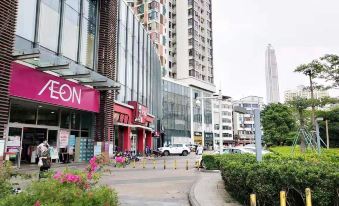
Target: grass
x=287, y=151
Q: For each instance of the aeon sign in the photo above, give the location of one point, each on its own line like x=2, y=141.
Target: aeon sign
x=62, y=91
x=35, y=85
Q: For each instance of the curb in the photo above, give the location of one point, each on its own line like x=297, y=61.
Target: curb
x=191, y=196
x=209, y=171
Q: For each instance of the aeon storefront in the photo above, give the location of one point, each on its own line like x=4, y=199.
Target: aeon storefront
x=47, y=107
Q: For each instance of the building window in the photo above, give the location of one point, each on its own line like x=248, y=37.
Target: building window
x=49, y=24
x=88, y=32
x=71, y=32
x=26, y=19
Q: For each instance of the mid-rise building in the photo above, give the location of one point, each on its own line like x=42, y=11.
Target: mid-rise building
x=226, y=122
x=79, y=74
x=272, y=81
x=243, y=124
x=303, y=92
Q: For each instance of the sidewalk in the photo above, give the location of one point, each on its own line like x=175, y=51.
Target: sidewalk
x=209, y=190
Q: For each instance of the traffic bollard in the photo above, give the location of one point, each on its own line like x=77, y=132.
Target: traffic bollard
x=308, y=197
x=282, y=198
x=164, y=164
x=175, y=164
x=253, y=201
x=143, y=163
x=186, y=164
x=154, y=163
x=133, y=163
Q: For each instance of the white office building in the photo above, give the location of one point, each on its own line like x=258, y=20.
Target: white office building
x=226, y=122
x=303, y=92
x=243, y=124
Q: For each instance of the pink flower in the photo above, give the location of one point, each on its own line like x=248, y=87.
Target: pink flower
x=57, y=175
x=37, y=203
x=89, y=175
x=93, y=160
x=71, y=178
x=119, y=159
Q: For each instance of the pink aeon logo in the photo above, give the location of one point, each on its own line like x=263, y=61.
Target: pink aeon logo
x=64, y=92
x=31, y=84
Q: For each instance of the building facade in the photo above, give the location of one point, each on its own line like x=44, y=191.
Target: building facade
x=154, y=16
x=194, y=43
x=77, y=56
x=272, y=81
x=138, y=105
x=303, y=92
x=243, y=124
x=226, y=122
x=176, y=112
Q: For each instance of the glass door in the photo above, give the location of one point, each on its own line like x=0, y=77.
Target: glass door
x=14, y=145
x=134, y=143
x=52, y=139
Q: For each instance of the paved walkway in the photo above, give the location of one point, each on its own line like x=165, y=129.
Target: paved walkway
x=209, y=190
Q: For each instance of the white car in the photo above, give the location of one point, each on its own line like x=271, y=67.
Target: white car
x=252, y=148
x=180, y=149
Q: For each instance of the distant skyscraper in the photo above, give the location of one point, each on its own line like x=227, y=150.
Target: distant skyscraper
x=272, y=83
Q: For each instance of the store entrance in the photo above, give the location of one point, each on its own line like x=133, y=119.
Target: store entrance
x=32, y=137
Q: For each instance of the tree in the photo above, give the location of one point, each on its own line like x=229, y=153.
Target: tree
x=330, y=69
x=333, y=125
x=326, y=68
x=301, y=104
x=278, y=124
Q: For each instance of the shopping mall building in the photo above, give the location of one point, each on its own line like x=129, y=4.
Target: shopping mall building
x=81, y=74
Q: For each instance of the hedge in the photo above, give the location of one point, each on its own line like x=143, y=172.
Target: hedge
x=243, y=175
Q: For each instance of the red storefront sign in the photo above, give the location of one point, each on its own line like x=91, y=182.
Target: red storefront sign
x=35, y=85
x=139, y=112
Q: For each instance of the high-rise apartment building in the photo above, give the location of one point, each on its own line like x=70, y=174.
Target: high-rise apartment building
x=194, y=43
x=272, y=82
x=153, y=15
x=301, y=91
x=182, y=32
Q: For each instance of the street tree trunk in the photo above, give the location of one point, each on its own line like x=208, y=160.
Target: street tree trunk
x=302, y=126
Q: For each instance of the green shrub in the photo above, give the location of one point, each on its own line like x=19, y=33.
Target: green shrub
x=69, y=188
x=211, y=162
x=243, y=175
x=51, y=192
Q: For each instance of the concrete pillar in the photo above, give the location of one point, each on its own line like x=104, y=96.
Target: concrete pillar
x=127, y=139
x=141, y=141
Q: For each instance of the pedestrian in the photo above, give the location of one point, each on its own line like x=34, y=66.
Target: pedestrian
x=200, y=150
x=44, y=157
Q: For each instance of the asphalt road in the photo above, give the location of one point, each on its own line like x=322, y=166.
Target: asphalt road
x=148, y=186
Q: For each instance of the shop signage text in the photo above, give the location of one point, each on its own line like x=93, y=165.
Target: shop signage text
x=64, y=92
x=38, y=86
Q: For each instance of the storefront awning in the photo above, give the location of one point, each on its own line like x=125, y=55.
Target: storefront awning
x=67, y=69
x=133, y=126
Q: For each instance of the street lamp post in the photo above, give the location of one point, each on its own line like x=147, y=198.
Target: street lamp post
x=219, y=97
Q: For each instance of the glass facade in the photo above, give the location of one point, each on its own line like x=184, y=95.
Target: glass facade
x=65, y=27
x=176, y=110
x=138, y=66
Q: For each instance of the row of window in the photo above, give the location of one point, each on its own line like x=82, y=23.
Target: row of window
x=75, y=39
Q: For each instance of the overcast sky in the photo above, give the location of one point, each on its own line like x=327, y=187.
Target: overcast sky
x=299, y=31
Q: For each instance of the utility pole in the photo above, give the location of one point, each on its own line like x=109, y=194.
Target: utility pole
x=327, y=136
x=221, y=144
x=258, y=146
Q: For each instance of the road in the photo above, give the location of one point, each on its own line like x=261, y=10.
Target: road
x=147, y=186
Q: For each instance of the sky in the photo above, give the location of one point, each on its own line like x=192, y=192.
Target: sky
x=299, y=31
